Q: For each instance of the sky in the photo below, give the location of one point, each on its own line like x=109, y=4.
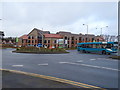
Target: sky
x=20, y=18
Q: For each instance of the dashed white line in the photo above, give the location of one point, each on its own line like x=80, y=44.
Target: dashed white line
x=80, y=61
x=43, y=64
x=93, y=66
x=17, y=65
x=107, y=59
x=63, y=62
x=92, y=59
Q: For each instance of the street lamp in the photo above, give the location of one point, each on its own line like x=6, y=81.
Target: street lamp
x=87, y=31
x=87, y=27
x=42, y=38
x=102, y=28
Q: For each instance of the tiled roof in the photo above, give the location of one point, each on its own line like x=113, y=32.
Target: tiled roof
x=52, y=36
x=24, y=37
x=41, y=31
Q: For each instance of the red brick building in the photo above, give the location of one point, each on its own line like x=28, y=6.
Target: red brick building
x=60, y=39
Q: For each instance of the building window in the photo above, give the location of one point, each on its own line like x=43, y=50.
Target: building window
x=39, y=37
x=72, y=38
x=32, y=37
x=28, y=41
x=79, y=38
x=65, y=38
x=39, y=41
x=92, y=39
x=35, y=41
x=97, y=40
x=32, y=41
x=72, y=42
x=68, y=38
x=29, y=37
x=86, y=39
x=48, y=41
x=45, y=41
x=55, y=46
x=68, y=42
x=22, y=41
x=55, y=41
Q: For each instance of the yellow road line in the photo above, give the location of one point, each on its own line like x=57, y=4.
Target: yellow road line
x=56, y=79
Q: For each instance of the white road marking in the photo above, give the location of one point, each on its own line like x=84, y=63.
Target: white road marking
x=43, y=64
x=92, y=59
x=17, y=65
x=63, y=62
x=107, y=59
x=93, y=66
x=80, y=61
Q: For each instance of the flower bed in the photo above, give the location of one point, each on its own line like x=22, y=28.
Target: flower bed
x=40, y=50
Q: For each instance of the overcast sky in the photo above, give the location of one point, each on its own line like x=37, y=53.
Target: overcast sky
x=21, y=17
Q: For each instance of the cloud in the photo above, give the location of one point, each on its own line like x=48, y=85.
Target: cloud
x=20, y=18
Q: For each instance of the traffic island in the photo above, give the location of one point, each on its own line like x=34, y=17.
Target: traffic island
x=38, y=50
x=115, y=57
x=17, y=80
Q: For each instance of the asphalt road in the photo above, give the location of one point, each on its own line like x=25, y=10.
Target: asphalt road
x=92, y=69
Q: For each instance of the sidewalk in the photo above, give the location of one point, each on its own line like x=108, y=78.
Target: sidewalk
x=14, y=80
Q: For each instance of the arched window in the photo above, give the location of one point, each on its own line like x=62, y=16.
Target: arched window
x=32, y=37
x=29, y=37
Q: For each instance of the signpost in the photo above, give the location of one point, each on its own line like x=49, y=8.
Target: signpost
x=16, y=41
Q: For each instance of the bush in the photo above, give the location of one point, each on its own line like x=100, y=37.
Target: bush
x=41, y=49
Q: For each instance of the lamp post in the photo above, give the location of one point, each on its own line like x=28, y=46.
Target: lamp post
x=87, y=27
x=87, y=31
x=102, y=28
x=42, y=38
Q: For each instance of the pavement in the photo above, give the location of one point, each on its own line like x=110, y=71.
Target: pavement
x=15, y=80
x=90, y=69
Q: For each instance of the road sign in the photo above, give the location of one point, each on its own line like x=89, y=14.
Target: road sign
x=39, y=45
x=16, y=39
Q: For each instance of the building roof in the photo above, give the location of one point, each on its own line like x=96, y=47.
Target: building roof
x=41, y=31
x=24, y=36
x=53, y=36
x=63, y=32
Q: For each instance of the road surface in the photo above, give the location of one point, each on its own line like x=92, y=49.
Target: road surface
x=92, y=69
